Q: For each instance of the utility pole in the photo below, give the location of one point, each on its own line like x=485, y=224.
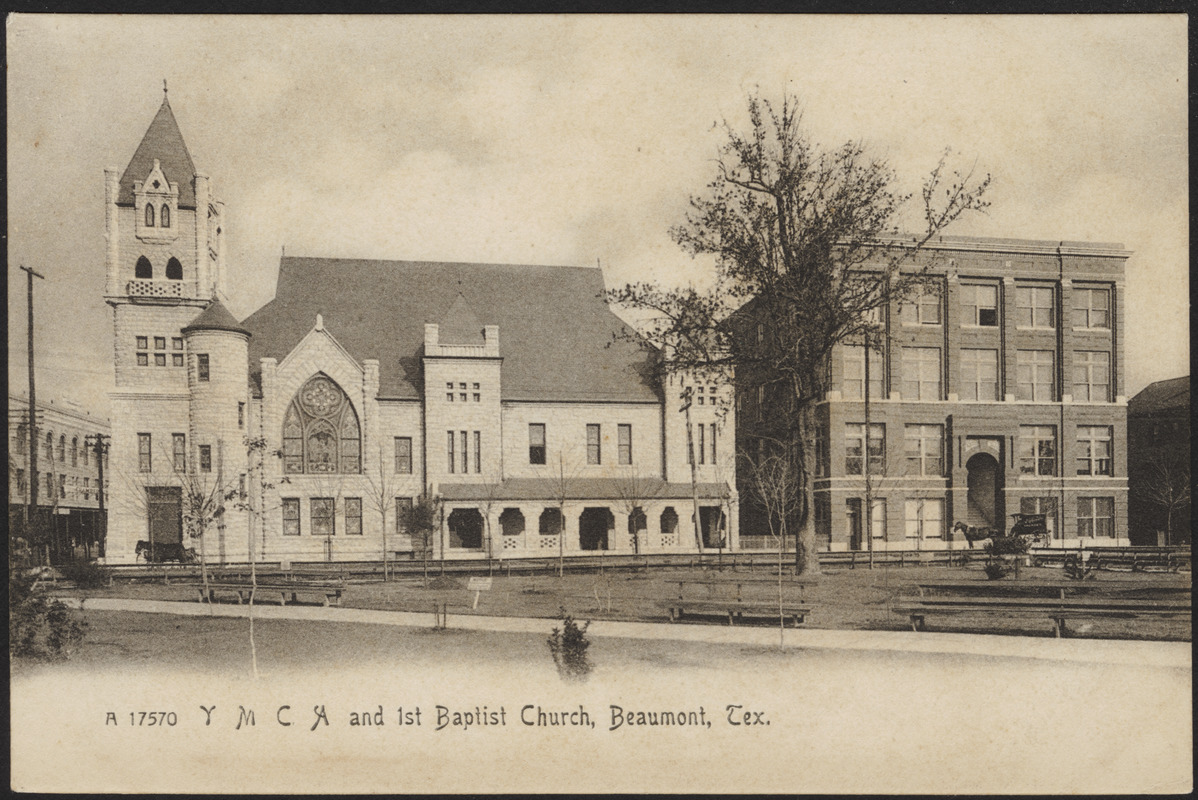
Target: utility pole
x=869, y=498
x=100, y=445
x=690, y=452
x=33, y=476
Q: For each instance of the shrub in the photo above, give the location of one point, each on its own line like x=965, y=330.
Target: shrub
x=38, y=628
x=1076, y=569
x=995, y=571
x=86, y=574
x=568, y=646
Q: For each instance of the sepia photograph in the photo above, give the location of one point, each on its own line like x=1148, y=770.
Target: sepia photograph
x=599, y=404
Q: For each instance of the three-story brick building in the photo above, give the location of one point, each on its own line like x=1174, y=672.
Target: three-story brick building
x=998, y=390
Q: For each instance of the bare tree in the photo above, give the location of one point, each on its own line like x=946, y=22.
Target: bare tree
x=204, y=495
x=1166, y=486
x=773, y=481
x=807, y=245
x=486, y=504
x=635, y=490
x=381, y=495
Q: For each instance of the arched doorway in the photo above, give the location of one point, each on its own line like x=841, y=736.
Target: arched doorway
x=984, y=506
x=466, y=528
x=593, y=525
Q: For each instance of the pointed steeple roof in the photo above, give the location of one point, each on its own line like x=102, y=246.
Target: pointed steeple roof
x=164, y=142
x=460, y=325
x=216, y=318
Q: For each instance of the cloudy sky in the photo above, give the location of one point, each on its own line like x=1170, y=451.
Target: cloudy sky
x=573, y=140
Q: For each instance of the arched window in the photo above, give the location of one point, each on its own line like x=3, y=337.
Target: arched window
x=149, y=215
x=320, y=431
x=165, y=217
x=49, y=446
x=75, y=452
x=143, y=269
x=62, y=449
x=174, y=270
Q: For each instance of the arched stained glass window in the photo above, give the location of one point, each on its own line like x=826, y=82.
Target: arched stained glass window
x=321, y=433
x=149, y=215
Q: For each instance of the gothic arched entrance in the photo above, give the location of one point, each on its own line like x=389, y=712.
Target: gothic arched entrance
x=984, y=504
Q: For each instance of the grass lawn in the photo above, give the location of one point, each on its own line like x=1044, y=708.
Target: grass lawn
x=847, y=599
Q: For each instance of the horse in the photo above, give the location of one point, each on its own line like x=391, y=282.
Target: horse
x=974, y=533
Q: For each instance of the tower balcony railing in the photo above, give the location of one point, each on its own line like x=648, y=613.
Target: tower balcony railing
x=145, y=287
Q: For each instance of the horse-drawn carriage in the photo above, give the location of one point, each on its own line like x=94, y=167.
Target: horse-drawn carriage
x=1033, y=527
x=159, y=552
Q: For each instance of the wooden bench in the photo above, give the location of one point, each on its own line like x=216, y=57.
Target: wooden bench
x=718, y=601
x=1057, y=609
x=326, y=592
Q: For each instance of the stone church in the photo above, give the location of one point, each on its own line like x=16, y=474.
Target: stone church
x=508, y=393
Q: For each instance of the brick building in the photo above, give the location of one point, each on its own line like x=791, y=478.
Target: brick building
x=68, y=469
x=504, y=390
x=1158, y=455
x=999, y=390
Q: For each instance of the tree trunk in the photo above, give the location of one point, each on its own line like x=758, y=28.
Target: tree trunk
x=806, y=557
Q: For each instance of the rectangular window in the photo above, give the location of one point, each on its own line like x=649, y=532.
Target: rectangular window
x=1091, y=308
x=1037, y=450
x=921, y=373
x=924, y=518
x=979, y=305
x=403, y=505
x=925, y=444
x=1034, y=307
x=853, y=387
x=291, y=516
x=625, y=432
x=1042, y=505
x=536, y=443
x=143, y=343
x=353, y=516
x=593, y=451
x=979, y=374
x=702, y=446
x=403, y=455
x=62, y=486
x=1091, y=376
x=1034, y=375
x=159, y=342
x=241, y=415
x=449, y=391
x=1096, y=517
x=144, y=455
x=821, y=452
x=21, y=480
x=450, y=452
x=855, y=448
x=205, y=458
x=323, y=519
x=465, y=454
x=160, y=359
x=478, y=451
x=923, y=307
x=176, y=343
x=1093, y=450
x=179, y=451
x=712, y=438
x=176, y=359
x=462, y=395
x=202, y=367
x=143, y=360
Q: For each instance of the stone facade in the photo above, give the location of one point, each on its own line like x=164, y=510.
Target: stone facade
x=324, y=413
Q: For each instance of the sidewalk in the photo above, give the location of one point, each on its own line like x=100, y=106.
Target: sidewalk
x=1105, y=651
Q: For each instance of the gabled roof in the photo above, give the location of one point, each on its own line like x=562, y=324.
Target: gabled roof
x=163, y=141
x=460, y=325
x=556, y=335
x=1162, y=396
x=215, y=318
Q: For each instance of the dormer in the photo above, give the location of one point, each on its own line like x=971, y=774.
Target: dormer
x=156, y=203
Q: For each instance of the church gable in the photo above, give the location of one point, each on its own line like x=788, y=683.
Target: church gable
x=320, y=352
